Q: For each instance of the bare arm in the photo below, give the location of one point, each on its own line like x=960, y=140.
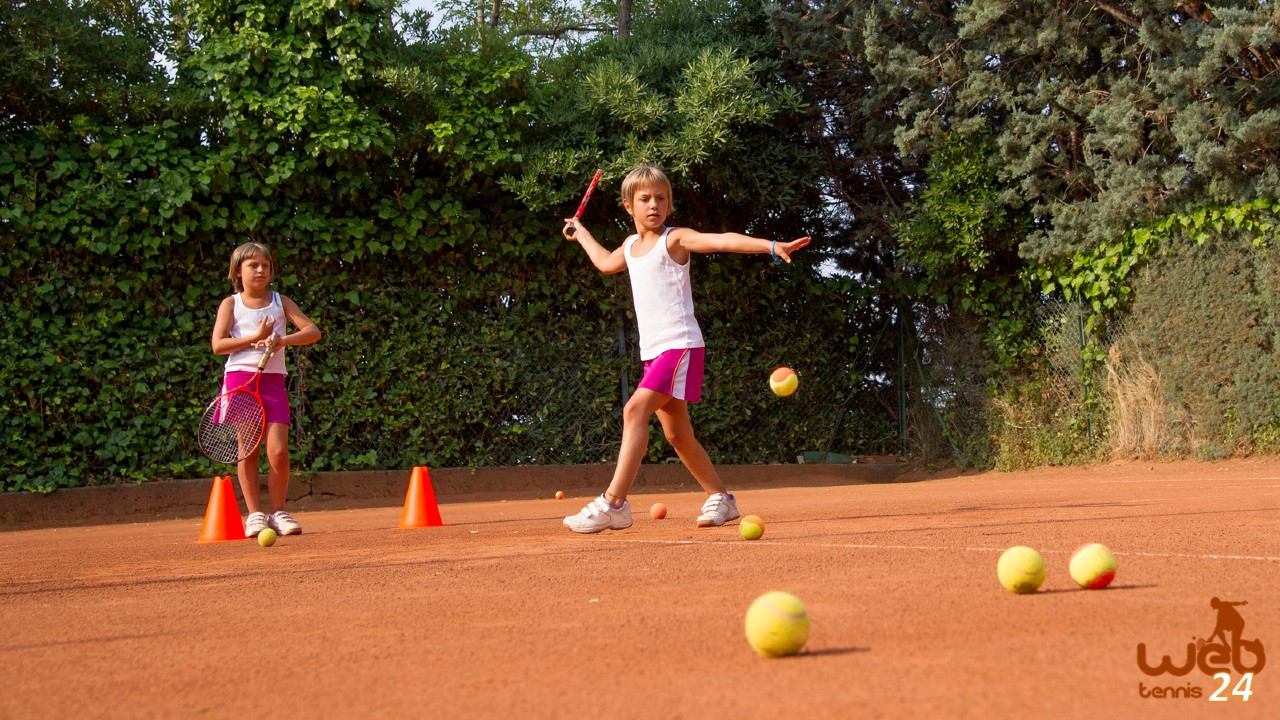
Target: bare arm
x=304, y=332
x=606, y=261
x=223, y=343
x=689, y=241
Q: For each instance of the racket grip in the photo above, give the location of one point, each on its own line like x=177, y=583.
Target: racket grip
x=266, y=353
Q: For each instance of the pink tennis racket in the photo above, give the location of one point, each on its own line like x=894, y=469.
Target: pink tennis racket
x=587, y=196
x=231, y=428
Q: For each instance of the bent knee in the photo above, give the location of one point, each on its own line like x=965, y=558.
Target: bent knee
x=677, y=437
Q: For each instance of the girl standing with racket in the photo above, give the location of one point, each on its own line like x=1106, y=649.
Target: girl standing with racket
x=244, y=324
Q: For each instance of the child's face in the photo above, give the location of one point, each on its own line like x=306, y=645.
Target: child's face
x=255, y=273
x=650, y=205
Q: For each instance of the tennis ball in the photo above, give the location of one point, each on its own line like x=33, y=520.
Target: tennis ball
x=559, y=494
x=777, y=624
x=783, y=381
x=658, y=511
x=751, y=527
x=267, y=538
x=1093, y=566
x=1021, y=570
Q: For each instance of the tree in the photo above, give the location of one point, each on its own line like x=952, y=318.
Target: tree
x=696, y=91
x=289, y=83
x=961, y=243
x=60, y=60
x=542, y=27
x=1103, y=114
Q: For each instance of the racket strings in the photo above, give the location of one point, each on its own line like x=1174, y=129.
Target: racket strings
x=231, y=427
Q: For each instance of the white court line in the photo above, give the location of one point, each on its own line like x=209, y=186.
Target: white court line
x=934, y=548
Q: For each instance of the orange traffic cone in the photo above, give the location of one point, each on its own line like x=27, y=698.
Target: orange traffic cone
x=222, y=517
x=420, y=509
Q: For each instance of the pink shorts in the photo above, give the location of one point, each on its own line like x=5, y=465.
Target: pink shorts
x=275, y=398
x=677, y=373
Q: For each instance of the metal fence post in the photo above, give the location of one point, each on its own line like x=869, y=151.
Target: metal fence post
x=621, y=334
x=1084, y=375
x=902, y=386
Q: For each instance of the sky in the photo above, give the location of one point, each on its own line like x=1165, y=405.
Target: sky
x=417, y=5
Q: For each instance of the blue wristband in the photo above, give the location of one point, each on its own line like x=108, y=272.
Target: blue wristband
x=776, y=260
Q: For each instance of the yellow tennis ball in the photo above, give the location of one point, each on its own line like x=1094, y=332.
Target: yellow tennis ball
x=751, y=527
x=267, y=538
x=777, y=624
x=1093, y=566
x=1021, y=569
x=784, y=381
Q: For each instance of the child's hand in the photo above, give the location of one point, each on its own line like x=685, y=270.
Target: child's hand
x=572, y=227
x=266, y=328
x=784, y=249
x=271, y=345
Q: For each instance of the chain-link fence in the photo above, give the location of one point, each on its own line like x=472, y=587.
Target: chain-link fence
x=924, y=384
x=1052, y=408
x=563, y=403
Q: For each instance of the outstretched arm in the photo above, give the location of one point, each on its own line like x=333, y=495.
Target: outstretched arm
x=700, y=242
x=607, y=262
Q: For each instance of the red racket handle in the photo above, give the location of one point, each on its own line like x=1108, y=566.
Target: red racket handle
x=586, y=197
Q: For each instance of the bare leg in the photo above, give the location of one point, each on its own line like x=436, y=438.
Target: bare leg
x=247, y=475
x=277, y=442
x=674, y=417
x=635, y=438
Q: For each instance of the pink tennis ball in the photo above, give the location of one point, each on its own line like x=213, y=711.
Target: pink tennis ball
x=1093, y=566
x=658, y=511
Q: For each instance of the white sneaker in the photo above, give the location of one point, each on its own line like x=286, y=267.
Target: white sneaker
x=254, y=524
x=600, y=515
x=284, y=524
x=719, y=509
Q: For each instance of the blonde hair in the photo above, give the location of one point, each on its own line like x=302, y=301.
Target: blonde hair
x=242, y=253
x=642, y=175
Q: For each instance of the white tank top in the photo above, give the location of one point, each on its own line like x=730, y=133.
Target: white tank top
x=245, y=321
x=663, y=297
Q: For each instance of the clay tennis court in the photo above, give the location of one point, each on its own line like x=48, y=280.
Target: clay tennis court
x=503, y=613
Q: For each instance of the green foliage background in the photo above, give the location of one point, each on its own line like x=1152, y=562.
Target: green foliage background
x=965, y=168
x=454, y=315
x=1209, y=326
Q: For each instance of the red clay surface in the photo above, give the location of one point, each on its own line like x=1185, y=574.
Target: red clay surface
x=504, y=613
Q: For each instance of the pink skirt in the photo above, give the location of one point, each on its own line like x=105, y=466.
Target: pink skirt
x=275, y=398
x=677, y=373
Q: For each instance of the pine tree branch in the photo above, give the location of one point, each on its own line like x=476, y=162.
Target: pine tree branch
x=560, y=32
x=1118, y=14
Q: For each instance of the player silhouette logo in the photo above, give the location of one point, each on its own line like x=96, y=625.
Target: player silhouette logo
x=1229, y=621
x=1224, y=650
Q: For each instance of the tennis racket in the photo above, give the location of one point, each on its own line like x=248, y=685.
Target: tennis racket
x=232, y=425
x=587, y=196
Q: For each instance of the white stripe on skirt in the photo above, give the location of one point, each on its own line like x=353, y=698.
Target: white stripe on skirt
x=680, y=378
